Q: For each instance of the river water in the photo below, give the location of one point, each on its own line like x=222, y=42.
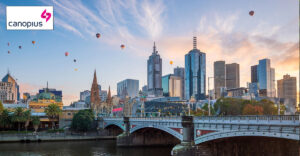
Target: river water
x=79, y=148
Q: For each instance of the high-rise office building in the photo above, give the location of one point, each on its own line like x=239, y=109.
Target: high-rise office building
x=171, y=85
x=266, y=78
x=232, y=75
x=179, y=71
x=254, y=74
x=154, y=74
x=84, y=95
x=195, y=73
x=131, y=86
x=287, y=88
x=219, y=77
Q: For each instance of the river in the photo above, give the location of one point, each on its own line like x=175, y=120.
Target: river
x=79, y=148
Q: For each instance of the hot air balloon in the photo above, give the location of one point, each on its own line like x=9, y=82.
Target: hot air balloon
x=122, y=46
x=33, y=42
x=251, y=13
x=8, y=44
x=76, y=69
x=171, y=62
x=74, y=60
x=8, y=52
x=20, y=47
x=66, y=53
x=98, y=35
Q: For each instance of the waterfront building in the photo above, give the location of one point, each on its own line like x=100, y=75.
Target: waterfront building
x=195, y=73
x=84, y=95
x=219, y=77
x=145, y=90
x=154, y=74
x=237, y=92
x=172, y=86
x=232, y=75
x=51, y=90
x=95, y=99
x=179, y=71
x=253, y=89
x=131, y=86
x=42, y=100
x=9, y=89
x=287, y=90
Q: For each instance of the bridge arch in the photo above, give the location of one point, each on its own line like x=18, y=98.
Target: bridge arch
x=120, y=125
x=163, y=128
x=230, y=134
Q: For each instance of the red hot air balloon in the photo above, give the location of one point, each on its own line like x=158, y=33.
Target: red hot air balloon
x=8, y=44
x=8, y=52
x=122, y=46
x=20, y=47
x=33, y=42
x=98, y=35
x=251, y=13
x=66, y=53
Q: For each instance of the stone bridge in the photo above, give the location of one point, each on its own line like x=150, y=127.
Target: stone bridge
x=188, y=131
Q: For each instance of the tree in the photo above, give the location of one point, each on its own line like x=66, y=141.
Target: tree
x=53, y=111
x=268, y=106
x=206, y=111
x=252, y=110
x=27, y=118
x=18, y=116
x=229, y=106
x=82, y=120
x=35, y=122
x=5, y=119
x=1, y=107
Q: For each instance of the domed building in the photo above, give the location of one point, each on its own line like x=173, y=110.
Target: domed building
x=42, y=100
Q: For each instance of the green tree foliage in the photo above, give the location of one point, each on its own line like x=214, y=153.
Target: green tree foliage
x=82, y=120
x=233, y=106
x=36, y=122
x=1, y=107
x=27, y=118
x=53, y=111
x=5, y=119
x=18, y=117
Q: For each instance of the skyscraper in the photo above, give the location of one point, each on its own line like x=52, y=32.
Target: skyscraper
x=254, y=74
x=266, y=78
x=232, y=75
x=95, y=97
x=287, y=89
x=131, y=86
x=179, y=71
x=195, y=73
x=219, y=77
x=171, y=86
x=154, y=74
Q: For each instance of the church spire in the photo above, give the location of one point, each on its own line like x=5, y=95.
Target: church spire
x=95, y=78
x=108, y=99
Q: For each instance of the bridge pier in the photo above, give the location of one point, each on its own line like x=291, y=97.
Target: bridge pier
x=186, y=147
x=124, y=138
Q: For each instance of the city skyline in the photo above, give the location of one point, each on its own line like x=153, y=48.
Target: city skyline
x=224, y=33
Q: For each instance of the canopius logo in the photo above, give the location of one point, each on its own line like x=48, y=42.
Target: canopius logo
x=46, y=15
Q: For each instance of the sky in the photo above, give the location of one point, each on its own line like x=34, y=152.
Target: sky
x=224, y=29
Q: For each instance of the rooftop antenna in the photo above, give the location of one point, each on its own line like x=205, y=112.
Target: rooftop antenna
x=154, y=48
x=194, y=42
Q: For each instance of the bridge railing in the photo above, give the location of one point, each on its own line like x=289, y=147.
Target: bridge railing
x=155, y=118
x=250, y=119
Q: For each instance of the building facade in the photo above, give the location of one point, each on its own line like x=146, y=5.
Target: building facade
x=9, y=90
x=43, y=100
x=172, y=86
x=254, y=74
x=232, y=75
x=179, y=71
x=84, y=95
x=131, y=85
x=266, y=78
x=219, y=77
x=195, y=73
x=287, y=89
x=154, y=74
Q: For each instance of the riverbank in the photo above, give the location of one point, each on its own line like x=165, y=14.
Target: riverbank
x=46, y=137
